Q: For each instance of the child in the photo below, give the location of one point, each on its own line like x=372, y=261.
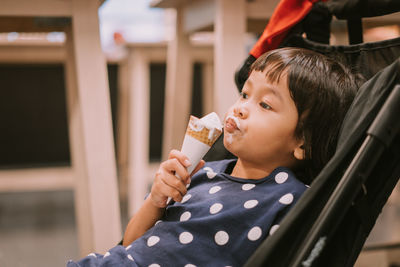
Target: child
x=285, y=122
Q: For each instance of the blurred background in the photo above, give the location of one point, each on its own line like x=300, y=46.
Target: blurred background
x=41, y=203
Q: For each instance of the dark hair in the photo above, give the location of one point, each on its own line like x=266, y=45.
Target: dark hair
x=322, y=90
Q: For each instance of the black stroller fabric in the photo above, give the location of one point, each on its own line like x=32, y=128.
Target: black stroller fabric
x=366, y=59
x=347, y=240
x=347, y=9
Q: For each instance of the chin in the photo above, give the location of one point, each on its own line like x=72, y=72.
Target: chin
x=228, y=146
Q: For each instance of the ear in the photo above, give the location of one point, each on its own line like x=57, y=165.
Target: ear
x=299, y=152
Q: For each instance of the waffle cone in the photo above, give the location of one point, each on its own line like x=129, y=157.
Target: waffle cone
x=203, y=134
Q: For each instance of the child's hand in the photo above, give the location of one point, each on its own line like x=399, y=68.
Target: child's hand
x=167, y=184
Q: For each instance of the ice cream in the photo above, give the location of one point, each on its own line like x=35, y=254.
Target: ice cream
x=236, y=127
x=200, y=135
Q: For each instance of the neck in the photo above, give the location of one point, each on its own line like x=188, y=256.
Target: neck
x=248, y=170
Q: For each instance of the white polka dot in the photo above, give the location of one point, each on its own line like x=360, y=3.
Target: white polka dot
x=214, y=189
x=211, y=174
x=281, y=177
x=215, y=208
x=154, y=265
x=185, y=216
x=186, y=198
x=286, y=199
x=273, y=229
x=221, y=238
x=107, y=254
x=185, y=238
x=92, y=255
x=250, y=204
x=254, y=233
x=130, y=257
x=152, y=240
x=208, y=169
x=128, y=247
x=247, y=187
x=190, y=265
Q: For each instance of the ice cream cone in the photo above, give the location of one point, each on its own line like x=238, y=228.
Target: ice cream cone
x=200, y=135
x=198, y=140
x=198, y=131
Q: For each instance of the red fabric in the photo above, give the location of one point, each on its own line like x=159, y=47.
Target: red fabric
x=287, y=14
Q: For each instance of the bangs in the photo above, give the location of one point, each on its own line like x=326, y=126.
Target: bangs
x=274, y=64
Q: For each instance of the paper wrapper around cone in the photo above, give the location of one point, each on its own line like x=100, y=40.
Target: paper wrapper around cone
x=198, y=140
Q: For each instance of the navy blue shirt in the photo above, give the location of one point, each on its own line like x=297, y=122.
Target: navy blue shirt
x=220, y=222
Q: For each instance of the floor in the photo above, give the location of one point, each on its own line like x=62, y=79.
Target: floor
x=37, y=229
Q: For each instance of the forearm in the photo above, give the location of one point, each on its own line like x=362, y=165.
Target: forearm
x=142, y=221
x=165, y=185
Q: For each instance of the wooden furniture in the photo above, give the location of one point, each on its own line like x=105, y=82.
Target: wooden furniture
x=92, y=175
x=136, y=173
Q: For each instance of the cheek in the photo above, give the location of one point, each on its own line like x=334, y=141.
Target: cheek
x=261, y=136
x=272, y=132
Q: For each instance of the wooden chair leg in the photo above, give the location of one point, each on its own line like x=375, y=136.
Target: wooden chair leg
x=90, y=127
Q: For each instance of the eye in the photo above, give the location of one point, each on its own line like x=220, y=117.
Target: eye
x=243, y=95
x=265, y=105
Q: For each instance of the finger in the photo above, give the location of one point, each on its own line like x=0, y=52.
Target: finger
x=161, y=191
x=175, y=184
x=183, y=159
x=174, y=166
x=169, y=192
x=165, y=177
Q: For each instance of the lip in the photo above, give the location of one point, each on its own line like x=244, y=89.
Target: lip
x=231, y=124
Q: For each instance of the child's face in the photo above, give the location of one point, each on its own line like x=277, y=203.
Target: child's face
x=259, y=127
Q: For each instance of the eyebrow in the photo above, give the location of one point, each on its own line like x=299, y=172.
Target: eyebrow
x=274, y=91
x=268, y=89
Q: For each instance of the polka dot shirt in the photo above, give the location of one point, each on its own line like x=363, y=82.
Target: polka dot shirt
x=220, y=221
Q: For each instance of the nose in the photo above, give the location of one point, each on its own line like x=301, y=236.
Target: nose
x=241, y=111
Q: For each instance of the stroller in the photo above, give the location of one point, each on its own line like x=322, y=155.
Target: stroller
x=332, y=220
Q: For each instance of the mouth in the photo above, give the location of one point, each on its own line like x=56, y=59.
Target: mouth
x=232, y=124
